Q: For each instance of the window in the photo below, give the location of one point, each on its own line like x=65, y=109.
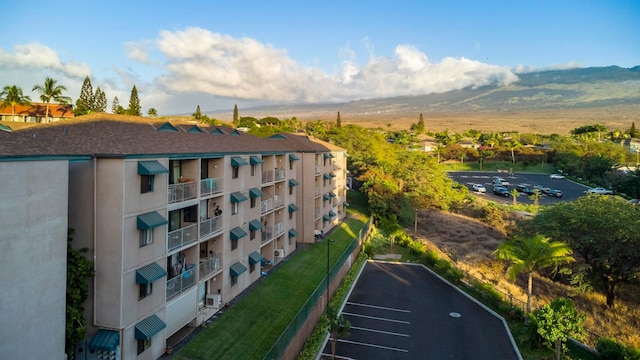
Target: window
x=146, y=183
x=235, y=172
x=143, y=345
x=252, y=234
x=145, y=290
x=324, y=182
x=290, y=240
x=290, y=215
x=253, y=202
x=253, y=169
x=290, y=190
x=290, y=164
x=252, y=267
x=234, y=280
x=234, y=244
x=234, y=208
x=146, y=237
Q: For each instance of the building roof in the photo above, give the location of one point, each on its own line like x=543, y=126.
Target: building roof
x=305, y=143
x=40, y=109
x=107, y=136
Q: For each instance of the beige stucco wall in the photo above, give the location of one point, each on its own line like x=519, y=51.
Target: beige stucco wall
x=33, y=219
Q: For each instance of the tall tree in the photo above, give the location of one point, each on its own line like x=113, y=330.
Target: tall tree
x=197, y=115
x=528, y=254
x=49, y=91
x=632, y=130
x=419, y=127
x=134, y=103
x=339, y=121
x=115, y=105
x=100, y=103
x=512, y=146
x=236, y=117
x=85, y=102
x=152, y=112
x=13, y=96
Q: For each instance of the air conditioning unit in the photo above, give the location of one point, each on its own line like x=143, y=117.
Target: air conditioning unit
x=214, y=301
x=279, y=253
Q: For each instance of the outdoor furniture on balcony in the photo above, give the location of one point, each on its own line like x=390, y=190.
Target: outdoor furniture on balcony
x=182, y=191
x=182, y=237
x=182, y=281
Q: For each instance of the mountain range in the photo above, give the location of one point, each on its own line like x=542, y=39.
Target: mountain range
x=578, y=88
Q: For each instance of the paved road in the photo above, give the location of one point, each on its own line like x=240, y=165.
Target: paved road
x=405, y=312
x=570, y=189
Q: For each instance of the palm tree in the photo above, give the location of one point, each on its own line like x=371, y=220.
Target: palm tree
x=514, y=195
x=12, y=96
x=527, y=254
x=338, y=328
x=50, y=91
x=512, y=146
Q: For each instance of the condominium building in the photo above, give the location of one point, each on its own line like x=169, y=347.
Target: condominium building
x=178, y=219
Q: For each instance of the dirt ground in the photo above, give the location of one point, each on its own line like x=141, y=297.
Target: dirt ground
x=470, y=243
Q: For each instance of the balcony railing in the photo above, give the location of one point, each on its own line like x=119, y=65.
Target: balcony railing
x=208, y=266
x=279, y=174
x=278, y=201
x=267, y=234
x=210, y=186
x=278, y=229
x=317, y=192
x=267, y=176
x=210, y=226
x=266, y=205
x=317, y=213
x=183, y=191
x=178, y=284
x=182, y=236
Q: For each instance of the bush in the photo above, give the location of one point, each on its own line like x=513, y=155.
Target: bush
x=610, y=349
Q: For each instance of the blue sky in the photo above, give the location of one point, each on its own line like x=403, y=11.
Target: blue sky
x=217, y=54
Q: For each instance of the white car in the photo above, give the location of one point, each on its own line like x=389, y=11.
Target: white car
x=479, y=188
x=500, y=182
x=600, y=191
x=556, y=176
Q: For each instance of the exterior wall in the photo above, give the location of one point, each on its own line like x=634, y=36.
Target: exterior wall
x=307, y=196
x=33, y=219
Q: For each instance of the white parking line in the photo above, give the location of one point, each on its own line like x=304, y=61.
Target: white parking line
x=377, y=307
x=376, y=318
x=373, y=345
x=379, y=331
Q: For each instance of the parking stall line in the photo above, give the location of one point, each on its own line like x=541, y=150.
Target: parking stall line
x=379, y=331
x=376, y=318
x=377, y=307
x=372, y=345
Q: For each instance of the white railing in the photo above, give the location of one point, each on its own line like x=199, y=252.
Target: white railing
x=210, y=226
x=183, y=191
x=278, y=229
x=278, y=201
x=279, y=174
x=179, y=283
x=266, y=205
x=182, y=236
x=317, y=192
x=210, y=186
x=317, y=168
x=317, y=213
x=267, y=234
x=267, y=176
x=209, y=266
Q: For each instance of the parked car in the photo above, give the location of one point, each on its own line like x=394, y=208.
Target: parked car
x=555, y=193
x=500, y=181
x=600, y=191
x=525, y=189
x=479, y=188
x=543, y=189
x=501, y=191
x=556, y=176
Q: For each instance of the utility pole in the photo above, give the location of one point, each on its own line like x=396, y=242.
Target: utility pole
x=415, y=223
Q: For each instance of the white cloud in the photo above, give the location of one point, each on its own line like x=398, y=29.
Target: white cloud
x=522, y=69
x=38, y=56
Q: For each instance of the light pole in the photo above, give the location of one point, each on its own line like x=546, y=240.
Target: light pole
x=415, y=222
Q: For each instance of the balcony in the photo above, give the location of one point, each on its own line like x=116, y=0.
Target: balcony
x=182, y=191
x=317, y=170
x=279, y=174
x=210, y=226
x=182, y=237
x=278, y=201
x=176, y=285
x=278, y=229
x=210, y=186
x=267, y=176
x=208, y=266
x=266, y=205
x=267, y=234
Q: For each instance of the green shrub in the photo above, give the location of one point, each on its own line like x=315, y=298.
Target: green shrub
x=430, y=258
x=417, y=247
x=610, y=349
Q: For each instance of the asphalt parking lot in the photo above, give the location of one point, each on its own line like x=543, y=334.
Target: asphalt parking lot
x=404, y=311
x=570, y=190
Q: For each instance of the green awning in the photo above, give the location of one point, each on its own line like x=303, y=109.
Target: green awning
x=150, y=273
x=255, y=257
x=293, y=233
x=105, y=340
x=255, y=225
x=332, y=195
x=151, y=168
x=293, y=182
x=237, y=233
x=332, y=214
x=293, y=157
x=237, y=269
x=238, y=161
x=326, y=197
x=237, y=197
x=150, y=220
x=325, y=218
x=255, y=192
x=332, y=175
x=293, y=208
x=326, y=176
x=345, y=203
x=148, y=327
x=255, y=160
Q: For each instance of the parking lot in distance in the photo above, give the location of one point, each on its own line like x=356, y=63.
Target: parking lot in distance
x=570, y=189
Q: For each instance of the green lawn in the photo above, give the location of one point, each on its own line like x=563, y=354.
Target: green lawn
x=501, y=165
x=252, y=326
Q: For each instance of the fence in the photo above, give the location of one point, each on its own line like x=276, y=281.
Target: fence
x=312, y=308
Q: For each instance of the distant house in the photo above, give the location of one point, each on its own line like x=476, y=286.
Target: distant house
x=36, y=113
x=469, y=143
x=426, y=143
